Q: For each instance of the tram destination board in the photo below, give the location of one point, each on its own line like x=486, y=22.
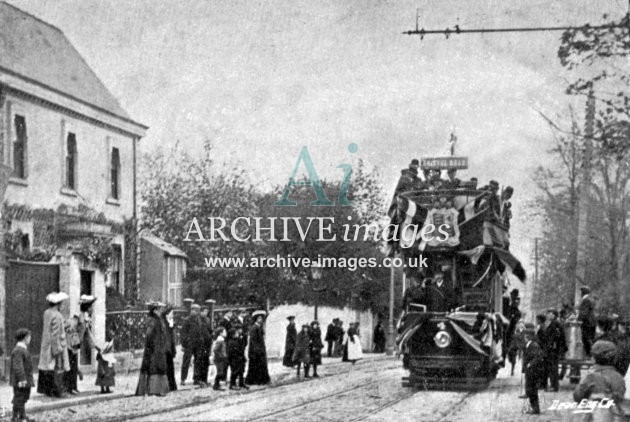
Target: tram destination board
x=438, y=163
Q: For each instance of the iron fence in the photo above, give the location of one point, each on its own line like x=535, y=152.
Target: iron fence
x=128, y=328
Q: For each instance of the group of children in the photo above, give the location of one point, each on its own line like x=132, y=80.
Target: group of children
x=228, y=351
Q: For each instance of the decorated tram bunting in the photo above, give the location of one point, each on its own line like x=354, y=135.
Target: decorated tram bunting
x=451, y=331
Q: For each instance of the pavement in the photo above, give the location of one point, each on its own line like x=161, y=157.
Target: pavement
x=126, y=383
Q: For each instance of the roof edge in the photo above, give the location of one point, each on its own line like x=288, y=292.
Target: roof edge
x=73, y=98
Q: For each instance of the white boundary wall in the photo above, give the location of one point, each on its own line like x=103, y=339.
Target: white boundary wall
x=277, y=323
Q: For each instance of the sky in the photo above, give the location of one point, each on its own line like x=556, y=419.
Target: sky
x=261, y=79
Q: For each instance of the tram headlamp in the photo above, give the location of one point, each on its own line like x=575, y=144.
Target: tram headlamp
x=442, y=339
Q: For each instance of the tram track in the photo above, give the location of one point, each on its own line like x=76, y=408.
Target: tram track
x=275, y=390
x=456, y=407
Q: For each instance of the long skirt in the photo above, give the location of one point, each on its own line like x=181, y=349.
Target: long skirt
x=170, y=372
x=257, y=372
x=316, y=356
x=70, y=377
x=287, y=360
x=105, y=373
x=51, y=383
x=152, y=385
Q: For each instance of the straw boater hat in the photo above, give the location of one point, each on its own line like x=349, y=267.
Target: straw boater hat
x=56, y=297
x=86, y=299
x=195, y=306
x=256, y=314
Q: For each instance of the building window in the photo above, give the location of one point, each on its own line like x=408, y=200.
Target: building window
x=19, y=148
x=115, y=268
x=115, y=176
x=71, y=161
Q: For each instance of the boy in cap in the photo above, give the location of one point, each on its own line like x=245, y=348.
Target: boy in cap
x=533, y=365
x=21, y=374
x=604, y=382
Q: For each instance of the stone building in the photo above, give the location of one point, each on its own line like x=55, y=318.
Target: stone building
x=72, y=189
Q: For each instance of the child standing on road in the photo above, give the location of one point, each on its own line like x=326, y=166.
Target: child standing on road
x=236, y=345
x=21, y=374
x=105, y=372
x=219, y=351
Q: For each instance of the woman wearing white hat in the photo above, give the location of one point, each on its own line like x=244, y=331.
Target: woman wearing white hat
x=53, y=356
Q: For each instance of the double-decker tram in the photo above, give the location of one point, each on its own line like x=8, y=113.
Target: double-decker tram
x=452, y=331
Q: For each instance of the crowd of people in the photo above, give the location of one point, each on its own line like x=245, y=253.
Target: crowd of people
x=543, y=345
x=230, y=343
x=58, y=367
x=303, y=349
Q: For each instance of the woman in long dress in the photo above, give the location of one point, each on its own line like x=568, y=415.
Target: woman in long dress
x=53, y=355
x=171, y=350
x=289, y=343
x=257, y=371
x=153, y=379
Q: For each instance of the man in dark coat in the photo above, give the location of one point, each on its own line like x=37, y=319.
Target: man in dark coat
x=532, y=367
x=622, y=360
x=201, y=344
x=586, y=315
x=257, y=372
x=187, y=341
x=330, y=336
x=513, y=314
x=339, y=333
x=555, y=347
x=541, y=339
x=379, y=338
x=289, y=343
x=440, y=296
x=416, y=293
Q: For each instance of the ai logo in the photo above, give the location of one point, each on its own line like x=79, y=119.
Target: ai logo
x=314, y=181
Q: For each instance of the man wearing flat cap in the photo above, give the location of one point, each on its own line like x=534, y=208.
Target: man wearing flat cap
x=586, y=315
x=533, y=364
x=604, y=382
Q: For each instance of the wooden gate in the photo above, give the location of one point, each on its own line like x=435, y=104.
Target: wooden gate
x=27, y=284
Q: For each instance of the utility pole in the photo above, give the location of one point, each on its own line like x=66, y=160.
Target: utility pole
x=390, y=324
x=536, y=261
x=582, y=237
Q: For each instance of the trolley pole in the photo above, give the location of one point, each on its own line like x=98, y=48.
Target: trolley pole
x=390, y=325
